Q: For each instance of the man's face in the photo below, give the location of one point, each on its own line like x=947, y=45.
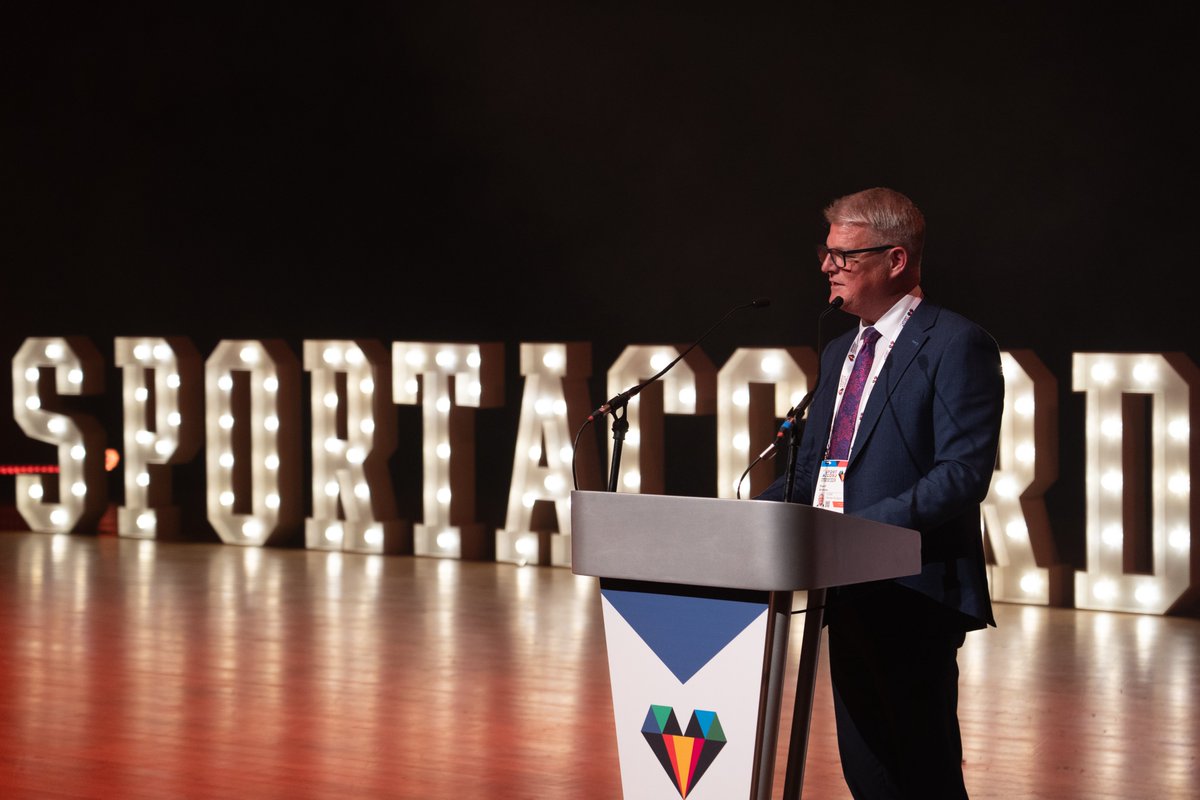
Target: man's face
x=864, y=284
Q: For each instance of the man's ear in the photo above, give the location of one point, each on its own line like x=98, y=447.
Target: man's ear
x=897, y=262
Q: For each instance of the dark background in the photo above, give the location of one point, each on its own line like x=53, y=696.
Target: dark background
x=615, y=173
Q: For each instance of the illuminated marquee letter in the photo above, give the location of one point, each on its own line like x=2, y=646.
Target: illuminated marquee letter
x=747, y=410
x=82, y=494
x=1112, y=448
x=450, y=379
x=1026, y=569
x=252, y=441
x=162, y=410
x=688, y=388
x=555, y=396
x=353, y=435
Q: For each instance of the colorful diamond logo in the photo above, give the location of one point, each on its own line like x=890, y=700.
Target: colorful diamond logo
x=685, y=756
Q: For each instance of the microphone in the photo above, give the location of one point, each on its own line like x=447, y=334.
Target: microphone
x=618, y=403
x=796, y=413
x=620, y=400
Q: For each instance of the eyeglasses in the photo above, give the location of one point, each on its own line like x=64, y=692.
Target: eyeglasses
x=839, y=256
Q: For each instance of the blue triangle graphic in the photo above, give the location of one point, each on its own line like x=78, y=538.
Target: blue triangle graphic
x=684, y=632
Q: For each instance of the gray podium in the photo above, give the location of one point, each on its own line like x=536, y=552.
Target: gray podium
x=697, y=599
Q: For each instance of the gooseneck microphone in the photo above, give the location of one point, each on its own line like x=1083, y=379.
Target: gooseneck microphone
x=617, y=404
x=797, y=411
x=620, y=400
x=796, y=414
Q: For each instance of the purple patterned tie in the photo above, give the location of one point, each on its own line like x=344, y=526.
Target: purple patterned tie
x=847, y=415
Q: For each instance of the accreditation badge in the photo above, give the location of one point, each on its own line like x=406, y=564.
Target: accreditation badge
x=831, y=485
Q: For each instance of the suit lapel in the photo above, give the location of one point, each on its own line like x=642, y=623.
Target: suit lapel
x=913, y=337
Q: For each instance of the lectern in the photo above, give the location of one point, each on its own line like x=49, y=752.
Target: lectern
x=697, y=597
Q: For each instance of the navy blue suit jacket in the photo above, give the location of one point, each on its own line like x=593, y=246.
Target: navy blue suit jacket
x=924, y=452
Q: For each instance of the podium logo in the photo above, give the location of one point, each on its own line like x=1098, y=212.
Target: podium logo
x=686, y=756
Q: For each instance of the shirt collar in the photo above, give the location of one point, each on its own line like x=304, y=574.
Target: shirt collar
x=893, y=319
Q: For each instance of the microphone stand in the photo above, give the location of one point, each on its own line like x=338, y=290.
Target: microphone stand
x=814, y=619
x=802, y=407
x=789, y=487
x=620, y=426
x=795, y=417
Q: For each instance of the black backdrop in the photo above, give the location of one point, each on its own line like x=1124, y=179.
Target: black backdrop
x=616, y=173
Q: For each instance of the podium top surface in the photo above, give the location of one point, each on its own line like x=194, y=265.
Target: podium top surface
x=737, y=544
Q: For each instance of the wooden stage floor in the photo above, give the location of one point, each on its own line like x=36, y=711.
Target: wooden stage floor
x=136, y=669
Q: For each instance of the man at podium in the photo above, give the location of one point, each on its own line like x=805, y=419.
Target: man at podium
x=902, y=429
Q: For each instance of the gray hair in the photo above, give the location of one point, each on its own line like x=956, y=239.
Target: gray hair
x=887, y=212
